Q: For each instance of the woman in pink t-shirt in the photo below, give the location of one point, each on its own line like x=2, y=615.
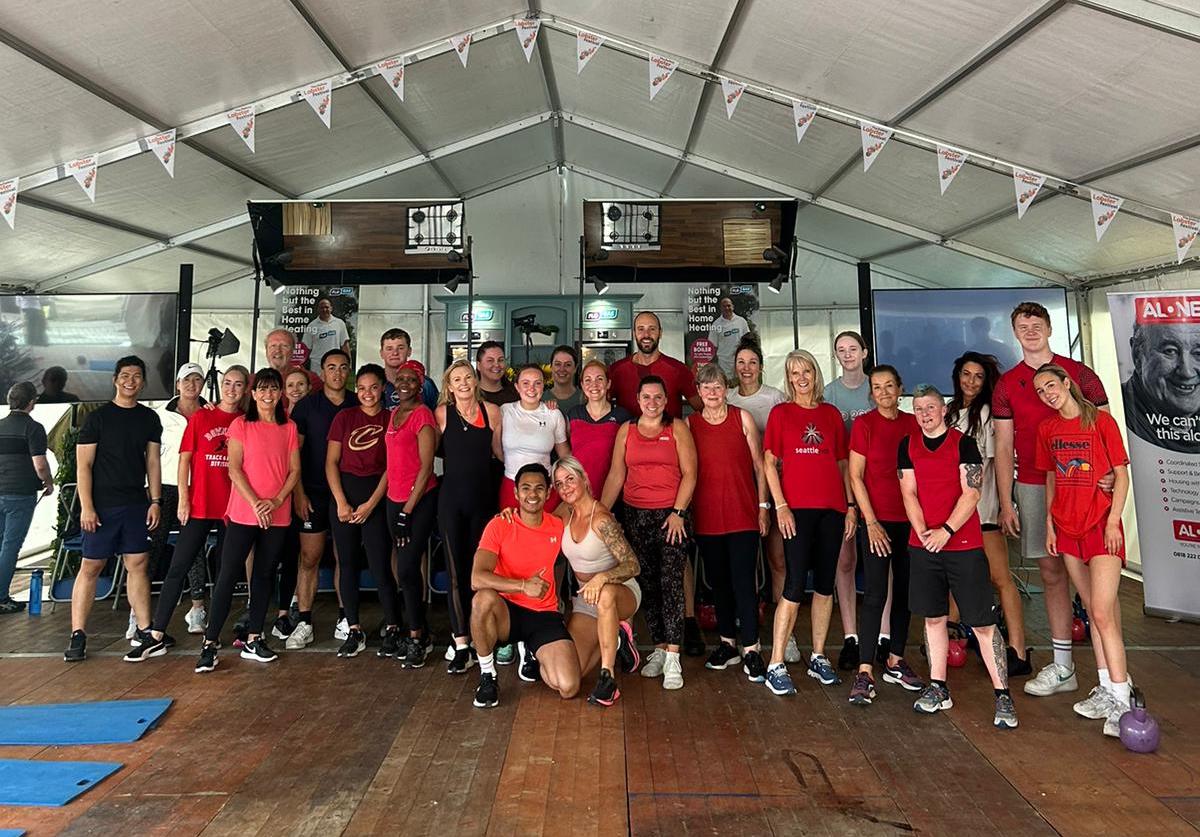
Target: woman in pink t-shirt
x=264, y=465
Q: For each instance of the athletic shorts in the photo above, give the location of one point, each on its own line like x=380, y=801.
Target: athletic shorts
x=318, y=520
x=816, y=547
x=989, y=527
x=933, y=576
x=1089, y=546
x=122, y=531
x=1031, y=514
x=535, y=628
x=578, y=605
x=508, y=496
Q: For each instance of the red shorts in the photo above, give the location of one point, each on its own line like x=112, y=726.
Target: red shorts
x=1090, y=545
x=508, y=496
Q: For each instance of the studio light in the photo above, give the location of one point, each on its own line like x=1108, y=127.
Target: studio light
x=599, y=284
x=777, y=283
x=275, y=285
x=775, y=255
x=452, y=285
x=454, y=256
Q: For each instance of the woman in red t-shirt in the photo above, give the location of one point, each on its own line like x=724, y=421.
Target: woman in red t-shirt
x=412, y=500
x=654, y=468
x=593, y=425
x=203, y=496
x=731, y=514
x=355, y=468
x=264, y=465
x=874, y=440
x=1083, y=523
x=804, y=456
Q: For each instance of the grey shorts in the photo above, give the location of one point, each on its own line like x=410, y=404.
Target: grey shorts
x=1031, y=514
x=578, y=605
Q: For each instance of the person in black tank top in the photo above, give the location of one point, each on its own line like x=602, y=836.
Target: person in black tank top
x=470, y=443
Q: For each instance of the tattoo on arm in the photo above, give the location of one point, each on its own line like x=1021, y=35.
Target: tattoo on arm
x=1000, y=655
x=627, y=563
x=974, y=476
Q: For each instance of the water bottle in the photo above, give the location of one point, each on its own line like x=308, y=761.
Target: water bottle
x=35, y=593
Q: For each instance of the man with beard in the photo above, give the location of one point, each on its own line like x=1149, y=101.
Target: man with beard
x=647, y=360
x=1165, y=384
x=279, y=345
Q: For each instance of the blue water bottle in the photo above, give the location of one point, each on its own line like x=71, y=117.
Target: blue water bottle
x=35, y=593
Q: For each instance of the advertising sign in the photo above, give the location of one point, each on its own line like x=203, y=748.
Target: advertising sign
x=321, y=317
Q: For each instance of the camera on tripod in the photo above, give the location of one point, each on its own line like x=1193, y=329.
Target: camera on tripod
x=528, y=325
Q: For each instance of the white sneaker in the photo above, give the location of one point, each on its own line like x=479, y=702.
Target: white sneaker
x=791, y=651
x=1112, y=722
x=195, y=620
x=672, y=671
x=300, y=637
x=1097, y=704
x=341, y=631
x=653, y=665
x=131, y=631
x=1051, y=680
x=449, y=655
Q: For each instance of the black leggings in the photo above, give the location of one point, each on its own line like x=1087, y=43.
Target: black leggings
x=661, y=577
x=815, y=546
x=875, y=582
x=408, y=557
x=372, y=533
x=239, y=540
x=730, y=568
x=289, y=566
x=462, y=519
x=189, y=551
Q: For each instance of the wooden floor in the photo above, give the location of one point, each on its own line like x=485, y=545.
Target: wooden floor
x=317, y=745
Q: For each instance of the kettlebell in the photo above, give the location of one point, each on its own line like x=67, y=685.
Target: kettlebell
x=1139, y=730
x=1078, y=630
x=957, y=655
x=706, y=615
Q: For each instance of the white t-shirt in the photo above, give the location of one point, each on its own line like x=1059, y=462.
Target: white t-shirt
x=321, y=337
x=985, y=439
x=757, y=405
x=529, y=435
x=725, y=335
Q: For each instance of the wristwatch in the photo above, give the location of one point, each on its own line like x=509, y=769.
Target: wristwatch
x=764, y=505
x=948, y=528
x=680, y=512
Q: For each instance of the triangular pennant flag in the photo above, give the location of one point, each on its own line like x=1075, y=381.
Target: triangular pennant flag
x=8, y=200
x=1185, y=233
x=163, y=146
x=874, y=138
x=732, y=91
x=661, y=70
x=392, y=71
x=587, y=44
x=950, y=161
x=1104, y=208
x=1028, y=184
x=319, y=96
x=84, y=172
x=527, y=32
x=462, y=46
x=242, y=120
x=803, y=114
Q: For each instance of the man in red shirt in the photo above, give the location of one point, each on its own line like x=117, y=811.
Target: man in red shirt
x=515, y=598
x=1017, y=411
x=626, y=373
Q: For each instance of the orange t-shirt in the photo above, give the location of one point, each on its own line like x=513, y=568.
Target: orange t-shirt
x=523, y=550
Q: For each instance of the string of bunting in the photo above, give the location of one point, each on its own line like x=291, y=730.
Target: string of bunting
x=875, y=136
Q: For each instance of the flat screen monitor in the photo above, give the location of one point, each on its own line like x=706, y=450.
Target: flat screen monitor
x=923, y=331
x=44, y=336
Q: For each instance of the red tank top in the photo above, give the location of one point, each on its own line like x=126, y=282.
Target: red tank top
x=938, y=490
x=652, y=477
x=726, y=498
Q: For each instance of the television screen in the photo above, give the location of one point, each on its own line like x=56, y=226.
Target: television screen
x=67, y=344
x=923, y=331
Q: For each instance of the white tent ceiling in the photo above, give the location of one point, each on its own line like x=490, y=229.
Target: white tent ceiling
x=1091, y=92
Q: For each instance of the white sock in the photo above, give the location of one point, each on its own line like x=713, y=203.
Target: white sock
x=1062, y=652
x=1121, y=691
x=460, y=644
x=672, y=655
x=852, y=636
x=487, y=665
x=1105, y=680
x=778, y=666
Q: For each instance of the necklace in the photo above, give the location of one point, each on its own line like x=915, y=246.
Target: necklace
x=467, y=422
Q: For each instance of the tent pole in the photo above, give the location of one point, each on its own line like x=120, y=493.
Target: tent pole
x=470, y=296
x=795, y=309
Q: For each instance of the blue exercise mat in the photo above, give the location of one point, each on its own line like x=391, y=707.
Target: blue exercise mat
x=11, y=832
x=49, y=783
x=101, y=722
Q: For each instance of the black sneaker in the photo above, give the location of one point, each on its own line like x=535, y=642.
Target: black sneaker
x=754, y=667
x=722, y=657
x=883, y=651
x=418, y=650
x=1018, y=667
x=258, y=651
x=606, y=692
x=628, y=657
x=463, y=659
x=848, y=658
x=393, y=643
x=146, y=648
x=282, y=628
x=140, y=635
x=208, y=658
x=693, y=639
x=355, y=643
x=77, y=649
x=487, y=693
x=11, y=606
x=529, y=671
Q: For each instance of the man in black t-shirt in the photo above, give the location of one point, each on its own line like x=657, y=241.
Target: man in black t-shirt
x=23, y=473
x=117, y=457
x=311, y=498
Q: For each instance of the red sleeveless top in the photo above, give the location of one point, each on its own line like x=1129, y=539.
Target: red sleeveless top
x=938, y=490
x=652, y=468
x=726, y=498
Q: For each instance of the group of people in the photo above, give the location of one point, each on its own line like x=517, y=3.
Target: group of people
x=622, y=470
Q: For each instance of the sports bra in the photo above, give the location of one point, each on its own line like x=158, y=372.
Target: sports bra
x=589, y=555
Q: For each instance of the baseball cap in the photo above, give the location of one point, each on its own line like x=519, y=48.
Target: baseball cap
x=189, y=369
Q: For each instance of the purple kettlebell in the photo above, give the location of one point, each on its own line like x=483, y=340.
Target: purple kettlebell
x=1139, y=730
